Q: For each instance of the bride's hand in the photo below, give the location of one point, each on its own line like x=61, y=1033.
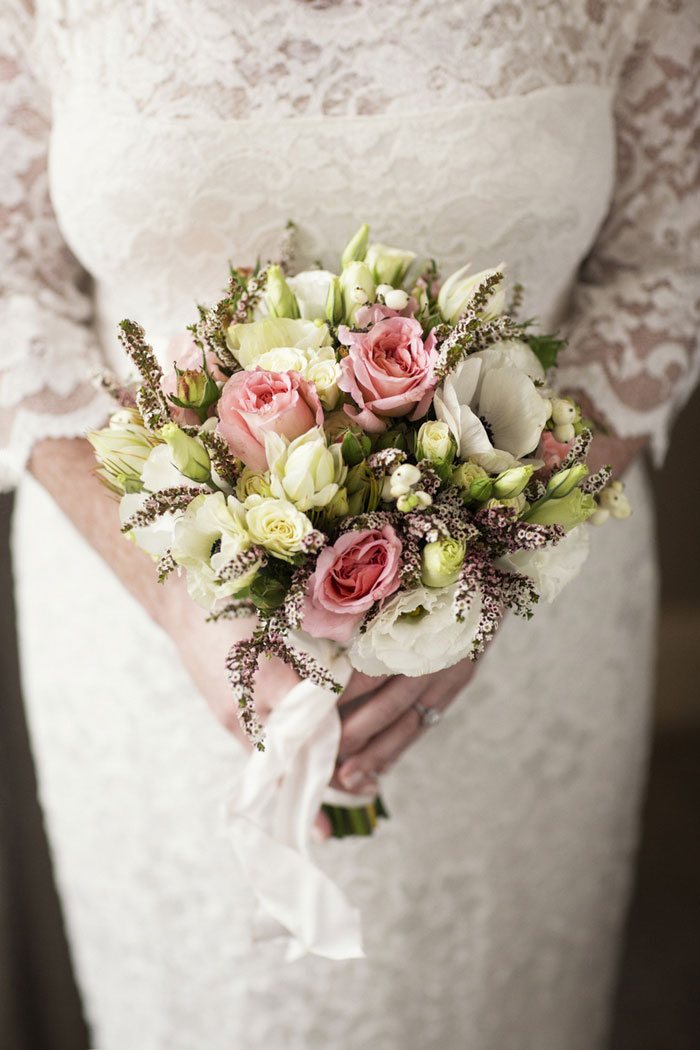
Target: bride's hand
x=379, y=728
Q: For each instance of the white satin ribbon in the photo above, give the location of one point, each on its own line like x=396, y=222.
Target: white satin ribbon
x=269, y=818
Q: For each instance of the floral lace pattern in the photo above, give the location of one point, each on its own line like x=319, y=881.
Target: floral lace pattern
x=297, y=63
x=543, y=788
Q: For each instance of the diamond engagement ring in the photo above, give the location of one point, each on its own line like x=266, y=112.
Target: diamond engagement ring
x=429, y=716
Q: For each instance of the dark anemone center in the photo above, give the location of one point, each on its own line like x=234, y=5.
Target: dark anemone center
x=487, y=428
x=215, y=547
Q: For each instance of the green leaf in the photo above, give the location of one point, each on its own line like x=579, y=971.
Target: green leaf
x=546, y=348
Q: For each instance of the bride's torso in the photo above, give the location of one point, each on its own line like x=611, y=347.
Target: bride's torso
x=186, y=136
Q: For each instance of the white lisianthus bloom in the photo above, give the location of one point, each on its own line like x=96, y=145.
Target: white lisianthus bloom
x=457, y=291
x=248, y=341
x=305, y=471
x=416, y=633
x=277, y=525
x=211, y=533
x=122, y=449
x=551, y=568
x=311, y=289
x=159, y=472
x=495, y=413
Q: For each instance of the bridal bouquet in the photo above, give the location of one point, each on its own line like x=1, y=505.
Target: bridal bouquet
x=377, y=467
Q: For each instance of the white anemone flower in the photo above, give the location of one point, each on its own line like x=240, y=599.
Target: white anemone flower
x=495, y=413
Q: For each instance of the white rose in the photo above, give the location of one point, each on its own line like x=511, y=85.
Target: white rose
x=277, y=525
x=305, y=471
x=388, y=265
x=398, y=643
x=323, y=370
x=551, y=568
x=210, y=534
x=281, y=359
x=311, y=290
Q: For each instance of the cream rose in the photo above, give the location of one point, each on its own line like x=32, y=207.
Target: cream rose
x=277, y=525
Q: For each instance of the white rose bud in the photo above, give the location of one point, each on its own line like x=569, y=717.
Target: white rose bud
x=441, y=562
x=436, y=443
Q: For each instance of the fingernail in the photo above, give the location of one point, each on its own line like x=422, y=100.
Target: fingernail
x=353, y=778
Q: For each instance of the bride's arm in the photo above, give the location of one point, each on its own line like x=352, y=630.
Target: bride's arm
x=632, y=359
x=49, y=351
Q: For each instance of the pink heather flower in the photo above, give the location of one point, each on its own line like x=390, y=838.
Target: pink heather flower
x=253, y=403
x=184, y=352
x=552, y=451
x=359, y=569
x=389, y=371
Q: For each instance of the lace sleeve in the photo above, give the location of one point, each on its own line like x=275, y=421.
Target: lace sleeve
x=634, y=333
x=48, y=348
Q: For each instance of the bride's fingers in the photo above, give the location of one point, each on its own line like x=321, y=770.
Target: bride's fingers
x=377, y=713
x=361, y=685
x=359, y=773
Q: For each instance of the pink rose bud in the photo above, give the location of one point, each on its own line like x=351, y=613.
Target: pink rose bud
x=184, y=353
x=361, y=568
x=389, y=371
x=254, y=403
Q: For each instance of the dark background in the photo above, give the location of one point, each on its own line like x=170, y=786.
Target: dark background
x=657, y=1003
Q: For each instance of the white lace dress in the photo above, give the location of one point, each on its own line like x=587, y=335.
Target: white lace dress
x=183, y=135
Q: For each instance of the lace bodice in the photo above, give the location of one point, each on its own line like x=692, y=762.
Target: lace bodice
x=144, y=98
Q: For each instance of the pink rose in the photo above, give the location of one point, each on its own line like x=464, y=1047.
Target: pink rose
x=552, y=451
x=359, y=569
x=367, y=315
x=253, y=403
x=184, y=352
x=389, y=371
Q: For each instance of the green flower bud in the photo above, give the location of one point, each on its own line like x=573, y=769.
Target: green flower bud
x=189, y=455
x=567, y=512
x=334, y=302
x=441, y=562
x=281, y=302
x=267, y=593
x=196, y=390
x=362, y=489
x=481, y=488
x=354, y=250
x=562, y=483
x=357, y=286
x=355, y=447
x=511, y=482
x=338, y=506
x=388, y=265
